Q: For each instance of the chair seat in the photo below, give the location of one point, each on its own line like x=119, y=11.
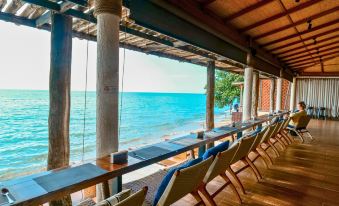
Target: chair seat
x=152, y=181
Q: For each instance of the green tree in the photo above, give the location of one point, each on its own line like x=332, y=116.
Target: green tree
x=225, y=92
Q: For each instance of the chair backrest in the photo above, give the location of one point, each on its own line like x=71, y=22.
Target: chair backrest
x=277, y=129
x=269, y=133
x=286, y=123
x=136, y=199
x=244, y=148
x=303, y=122
x=221, y=162
x=184, y=182
x=259, y=138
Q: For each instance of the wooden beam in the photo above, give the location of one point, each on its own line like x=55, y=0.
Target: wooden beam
x=247, y=10
x=255, y=94
x=205, y=2
x=60, y=96
x=319, y=74
x=306, y=65
x=307, y=50
x=305, y=39
x=302, y=33
x=282, y=14
x=272, y=89
x=312, y=58
x=302, y=21
x=210, y=93
x=312, y=53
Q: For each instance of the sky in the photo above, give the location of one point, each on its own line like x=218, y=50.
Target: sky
x=24, y=64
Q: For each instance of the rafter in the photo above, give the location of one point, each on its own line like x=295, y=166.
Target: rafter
x=302, y=21
x=277, y=16
x=313, y=53
x=315, y=57
x=308, y=49
x=305, y=39
x=204, y=3
x=247, y=10
x=302, y=33
x=320, y=74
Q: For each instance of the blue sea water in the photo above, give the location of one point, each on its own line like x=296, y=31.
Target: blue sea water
x=145, y=118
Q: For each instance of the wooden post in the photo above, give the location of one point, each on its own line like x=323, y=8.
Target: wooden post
x=272, y=95
x=108, y=14
x=279, y=94
x=293, y=91
x=255, y=94
x=210, y=97
x=59, y=94
x=247, y=96
x=241, y=97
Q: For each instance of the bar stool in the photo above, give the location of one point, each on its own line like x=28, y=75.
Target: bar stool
x=310, y=111
x=322, y=113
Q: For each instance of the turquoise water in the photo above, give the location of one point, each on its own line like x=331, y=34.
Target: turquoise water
x=146, y=118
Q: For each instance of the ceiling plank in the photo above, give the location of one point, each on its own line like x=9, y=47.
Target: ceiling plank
x=302, y=33
x=247, y=10
x=319, y=74
x=316, y=16
x=277, y=16
x=306, y=39
x=205, y=2
x=313, y=53
x=309, y=49
x=314, y=58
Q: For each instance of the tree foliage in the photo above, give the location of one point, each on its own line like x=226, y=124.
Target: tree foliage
x=225, y=92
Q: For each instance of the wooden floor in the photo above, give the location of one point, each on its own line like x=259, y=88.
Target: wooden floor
x=305, y=174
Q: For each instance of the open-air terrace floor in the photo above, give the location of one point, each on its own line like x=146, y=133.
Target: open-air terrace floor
x=304, y=174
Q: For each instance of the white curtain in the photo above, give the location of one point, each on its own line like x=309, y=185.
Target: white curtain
x=322, y=92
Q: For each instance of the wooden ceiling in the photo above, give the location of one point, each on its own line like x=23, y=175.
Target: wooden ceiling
x=302, y=34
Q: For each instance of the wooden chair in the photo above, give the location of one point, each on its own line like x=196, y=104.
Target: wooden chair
x=136, y=199
x=284, y=134
x=218, y=168
x=242, y=155
x=268, y=139
x=300, y=128
x=185, y=181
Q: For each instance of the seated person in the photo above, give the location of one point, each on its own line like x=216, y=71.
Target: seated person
x=295, y=117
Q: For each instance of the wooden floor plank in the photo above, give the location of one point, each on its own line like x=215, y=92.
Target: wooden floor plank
x=305, y=174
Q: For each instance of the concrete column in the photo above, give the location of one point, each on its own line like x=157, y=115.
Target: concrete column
x=279, y=94
x=108, y=14
x=255, y=94
x=60, y=96
x=293, y=94
x=272, y=95
x=210, y=97
x=247, y=96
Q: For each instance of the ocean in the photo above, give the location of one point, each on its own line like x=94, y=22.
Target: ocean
x=145, y=118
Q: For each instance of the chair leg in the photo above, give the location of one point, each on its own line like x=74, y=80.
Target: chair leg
x=274, y=148
x=197, y=197
x=232, y=187
x=254, y=168
x=301, y=137
x=235, y=177
x=286, y=138
x=281, y=142
x=266, y=155
x=290, y=138
x=208, y=197
x=309, y=134
x=259, y=155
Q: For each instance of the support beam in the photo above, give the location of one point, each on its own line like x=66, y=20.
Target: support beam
x=60, y=97
x=248, y=79
x=293, y=94
x=278, y=100
x=108, y=15
x=210, y=92
x=279, y=15
x=255, y=94
x=272, y=95
x=310, y=59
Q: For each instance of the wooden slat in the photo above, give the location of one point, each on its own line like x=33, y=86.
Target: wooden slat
x=247, y=10
x=331, y=74
x=277, y=16
x=314, y=58
x=305, y=39
x=308, y=49
x=312, y=53
x=302, y=21
x=302, y=33
x=297, y=67
x=205, y=2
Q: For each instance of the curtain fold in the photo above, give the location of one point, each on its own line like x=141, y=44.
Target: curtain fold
x=317, y=93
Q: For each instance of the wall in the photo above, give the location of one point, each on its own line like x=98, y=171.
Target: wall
x=264, y=101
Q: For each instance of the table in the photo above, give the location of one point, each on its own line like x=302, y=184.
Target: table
x=45, y=186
